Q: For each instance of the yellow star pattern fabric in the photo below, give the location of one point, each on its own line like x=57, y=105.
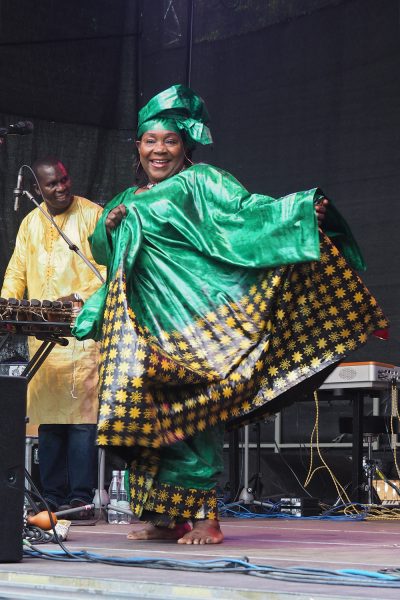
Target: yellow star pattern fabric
x=233, y=365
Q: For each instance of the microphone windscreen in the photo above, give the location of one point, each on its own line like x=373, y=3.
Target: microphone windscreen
x=22, y=127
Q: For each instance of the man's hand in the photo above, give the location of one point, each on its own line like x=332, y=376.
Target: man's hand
x=320, y=210
x=71, y=298
x=115, y=217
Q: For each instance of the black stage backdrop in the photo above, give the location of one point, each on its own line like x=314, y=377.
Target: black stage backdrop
x=302, y=93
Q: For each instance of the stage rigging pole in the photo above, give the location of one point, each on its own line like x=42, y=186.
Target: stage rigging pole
x=189, y=43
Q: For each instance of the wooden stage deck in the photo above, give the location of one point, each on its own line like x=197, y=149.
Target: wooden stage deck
x=314, y=544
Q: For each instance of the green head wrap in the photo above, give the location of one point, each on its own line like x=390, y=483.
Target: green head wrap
x=177, y=109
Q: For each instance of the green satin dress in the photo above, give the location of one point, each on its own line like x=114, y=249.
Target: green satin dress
x=219, y=306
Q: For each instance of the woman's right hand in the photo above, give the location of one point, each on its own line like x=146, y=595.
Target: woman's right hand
x=115, y=217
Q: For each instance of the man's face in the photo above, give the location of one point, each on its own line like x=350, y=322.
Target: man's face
x=55, y=184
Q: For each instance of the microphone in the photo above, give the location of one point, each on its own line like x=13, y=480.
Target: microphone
x=18, y=190
x=20, y=128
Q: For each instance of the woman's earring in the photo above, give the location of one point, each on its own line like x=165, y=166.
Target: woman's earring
x=188, y=159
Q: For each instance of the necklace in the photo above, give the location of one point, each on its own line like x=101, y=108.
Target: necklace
x=150, y=185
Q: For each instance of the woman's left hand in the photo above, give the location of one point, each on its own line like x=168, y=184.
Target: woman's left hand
x=320, y=210
x=115, y=217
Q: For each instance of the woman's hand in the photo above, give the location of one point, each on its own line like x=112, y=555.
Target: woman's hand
x=320, y=210
x=115, y=217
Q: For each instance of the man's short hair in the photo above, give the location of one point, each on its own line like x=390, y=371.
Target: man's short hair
x=47, y=161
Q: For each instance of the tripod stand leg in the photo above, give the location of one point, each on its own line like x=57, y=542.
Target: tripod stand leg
x=246, y=457
x=234, y=477
x=370, y=470
x=28, y=459
x=258, y=486
x=101, y=498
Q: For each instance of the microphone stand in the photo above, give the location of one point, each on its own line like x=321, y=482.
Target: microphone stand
x=70, y=244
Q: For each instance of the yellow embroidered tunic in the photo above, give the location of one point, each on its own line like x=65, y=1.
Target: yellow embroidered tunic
x=65, y=388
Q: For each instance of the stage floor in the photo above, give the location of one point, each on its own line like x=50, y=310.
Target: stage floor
x=314, y=544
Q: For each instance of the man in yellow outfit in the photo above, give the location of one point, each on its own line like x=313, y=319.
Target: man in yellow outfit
x=63, y=394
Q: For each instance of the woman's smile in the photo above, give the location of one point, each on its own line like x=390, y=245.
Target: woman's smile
x=156, y=162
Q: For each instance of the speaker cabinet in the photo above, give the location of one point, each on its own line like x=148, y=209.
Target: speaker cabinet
x=12, y=463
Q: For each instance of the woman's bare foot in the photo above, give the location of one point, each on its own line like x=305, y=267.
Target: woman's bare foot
x=203, y=532
x=152, y=532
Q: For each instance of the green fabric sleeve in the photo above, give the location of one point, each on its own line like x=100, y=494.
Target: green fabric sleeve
x=208, y=210
x=191, y=235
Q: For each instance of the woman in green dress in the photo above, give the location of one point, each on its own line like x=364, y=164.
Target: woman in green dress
x=218, y=304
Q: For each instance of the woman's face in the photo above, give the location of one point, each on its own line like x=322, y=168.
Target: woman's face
x=161, y=153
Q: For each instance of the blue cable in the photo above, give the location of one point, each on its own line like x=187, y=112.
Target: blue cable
x=237, y=510
x=373, y=574
x=353, y=577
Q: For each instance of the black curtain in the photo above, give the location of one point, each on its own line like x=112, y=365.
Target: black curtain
x=301, y=93
x=70, y=68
